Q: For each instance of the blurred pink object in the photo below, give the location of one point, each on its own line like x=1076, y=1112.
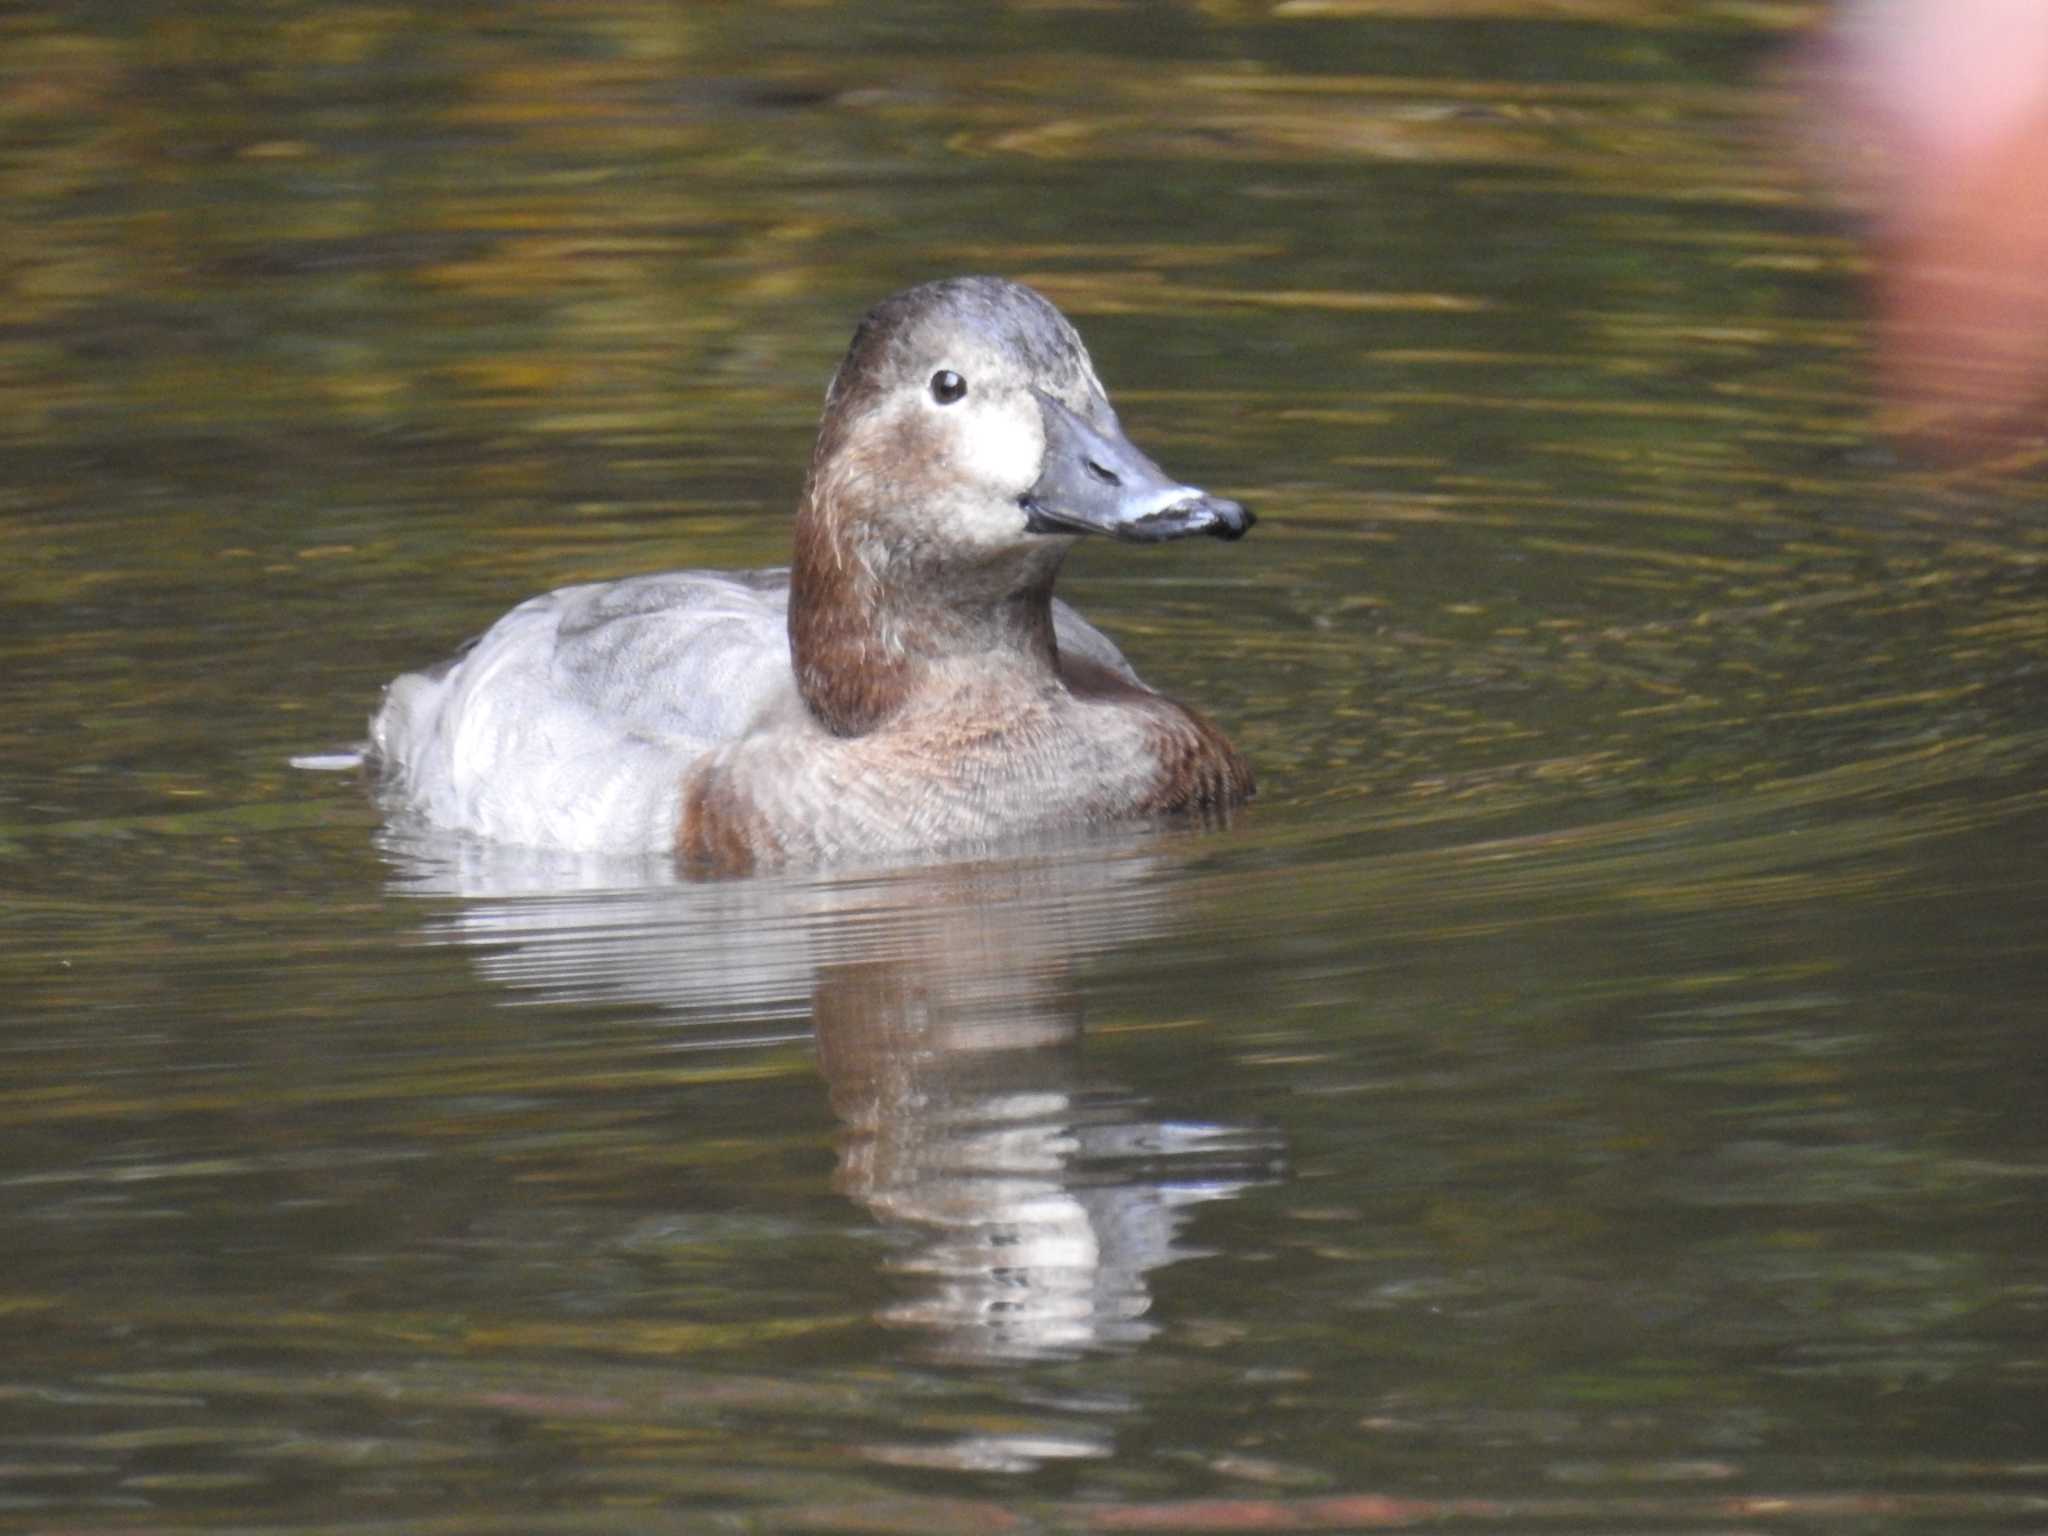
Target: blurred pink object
x=1937, y=110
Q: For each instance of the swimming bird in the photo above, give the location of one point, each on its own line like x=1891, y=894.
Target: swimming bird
x=909, y=684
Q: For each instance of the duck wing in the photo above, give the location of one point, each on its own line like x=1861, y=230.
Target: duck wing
x=570, y=721
x=690, y=657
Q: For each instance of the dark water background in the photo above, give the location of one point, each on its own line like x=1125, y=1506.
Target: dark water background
x=1599, y=1086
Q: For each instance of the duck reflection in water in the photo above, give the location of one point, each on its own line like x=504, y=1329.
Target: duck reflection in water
x=1033, y=1199
x=1041, y=1198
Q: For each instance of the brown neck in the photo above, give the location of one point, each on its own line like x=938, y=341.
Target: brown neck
x=859, y=653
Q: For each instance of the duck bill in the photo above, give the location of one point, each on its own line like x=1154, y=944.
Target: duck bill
x=1095, y=480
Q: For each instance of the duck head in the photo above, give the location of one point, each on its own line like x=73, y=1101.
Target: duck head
x=966, y=445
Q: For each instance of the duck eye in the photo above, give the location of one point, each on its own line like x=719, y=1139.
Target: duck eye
x=947, y=386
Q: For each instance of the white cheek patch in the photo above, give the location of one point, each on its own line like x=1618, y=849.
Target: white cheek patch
x=994, y=449
x=1001, y=446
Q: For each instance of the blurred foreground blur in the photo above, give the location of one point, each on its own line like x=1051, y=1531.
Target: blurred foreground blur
x=1936, y=113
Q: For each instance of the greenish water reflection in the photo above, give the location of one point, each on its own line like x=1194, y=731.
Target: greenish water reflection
x=1599, y=1076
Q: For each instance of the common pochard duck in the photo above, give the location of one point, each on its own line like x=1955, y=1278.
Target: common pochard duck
x=908, y=684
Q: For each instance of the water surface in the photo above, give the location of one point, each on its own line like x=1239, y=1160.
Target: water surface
x=1597, y=1085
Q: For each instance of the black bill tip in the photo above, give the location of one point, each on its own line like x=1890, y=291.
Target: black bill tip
x=1217, y=516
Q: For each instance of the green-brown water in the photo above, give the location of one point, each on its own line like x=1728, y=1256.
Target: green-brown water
x=1597, y=1087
